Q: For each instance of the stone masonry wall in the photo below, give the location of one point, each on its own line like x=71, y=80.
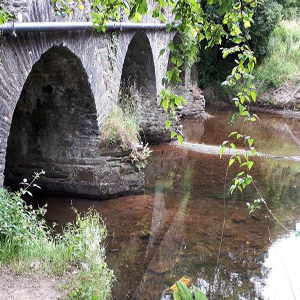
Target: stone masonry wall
x=75, y=164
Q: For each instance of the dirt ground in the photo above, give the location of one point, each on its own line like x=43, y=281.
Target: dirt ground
x=23, y=287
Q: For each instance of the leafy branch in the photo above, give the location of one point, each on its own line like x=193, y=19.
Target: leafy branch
x=5, y=15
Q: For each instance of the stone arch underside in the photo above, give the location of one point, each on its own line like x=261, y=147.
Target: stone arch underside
x=138, y=91
x=54, y=127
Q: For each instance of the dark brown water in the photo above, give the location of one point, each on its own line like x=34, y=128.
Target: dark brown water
x=175, y=228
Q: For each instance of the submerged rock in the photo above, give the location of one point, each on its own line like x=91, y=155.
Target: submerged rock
x=238, y=218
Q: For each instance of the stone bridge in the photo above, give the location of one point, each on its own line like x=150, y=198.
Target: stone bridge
x=57, y=90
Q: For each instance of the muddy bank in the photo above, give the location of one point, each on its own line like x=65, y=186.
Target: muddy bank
x=284, y=101
x=287, y=96
x=16, y=287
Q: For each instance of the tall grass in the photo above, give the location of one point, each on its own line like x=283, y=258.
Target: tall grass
x=283, y=62
x=121, y=129
x=29, y=246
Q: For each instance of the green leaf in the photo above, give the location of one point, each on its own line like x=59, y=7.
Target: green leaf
x=184, y=291
x=231, y=161
x=161, y=52
x=180, y=139
x=250, y=164
x=233, y=118
x=137, y=17
x=176, y=295
x=222, y=151
x=143, y=8
x=253, y=95
x=182, y=100
x=168, y=124
x=171, y=47
x=173, y=134
x=198, y=294
x=225, y=6
x=232, y=188
x=165, y=104
x=232, y=133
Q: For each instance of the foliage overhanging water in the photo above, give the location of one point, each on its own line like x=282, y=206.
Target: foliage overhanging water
x=175, y=228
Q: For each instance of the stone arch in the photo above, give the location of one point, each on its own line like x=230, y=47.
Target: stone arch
x=54, y=124
x=138, y=91
x=138, y=72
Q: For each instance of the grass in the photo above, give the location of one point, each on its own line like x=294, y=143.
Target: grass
x=283, y=62
x=121, y=129
x=29, y=246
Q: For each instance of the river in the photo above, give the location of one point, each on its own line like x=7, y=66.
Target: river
x=175, y=228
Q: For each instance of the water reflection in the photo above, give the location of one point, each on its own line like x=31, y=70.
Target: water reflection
x=282, y=269
x=175, y=228
x=273, y=135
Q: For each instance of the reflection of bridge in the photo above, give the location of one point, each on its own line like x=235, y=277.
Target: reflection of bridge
x=66, y=83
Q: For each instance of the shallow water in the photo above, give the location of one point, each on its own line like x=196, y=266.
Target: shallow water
x=175, y=229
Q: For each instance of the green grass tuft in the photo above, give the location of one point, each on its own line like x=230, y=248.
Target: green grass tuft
x=121, y=129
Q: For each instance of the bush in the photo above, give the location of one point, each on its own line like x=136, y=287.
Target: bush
x=265, y=20
x=28, y=245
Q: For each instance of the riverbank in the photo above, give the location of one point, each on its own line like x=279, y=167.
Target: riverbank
x=33, y=249
x=16, y=287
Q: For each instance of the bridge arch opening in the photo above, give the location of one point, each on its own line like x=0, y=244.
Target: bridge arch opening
x=138, y=91
x=54, y=125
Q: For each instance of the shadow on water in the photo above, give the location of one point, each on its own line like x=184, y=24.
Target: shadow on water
x=175, y=228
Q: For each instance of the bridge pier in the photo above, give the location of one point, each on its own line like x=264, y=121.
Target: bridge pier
x=56, y=92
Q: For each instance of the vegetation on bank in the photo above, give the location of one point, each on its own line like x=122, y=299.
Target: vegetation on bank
x=275, y=39
x=283, y=62
x=28, y=245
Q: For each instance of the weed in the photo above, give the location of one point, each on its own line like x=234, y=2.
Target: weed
x=139, y=158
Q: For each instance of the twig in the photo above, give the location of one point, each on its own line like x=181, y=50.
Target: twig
x=293, y=136
x=224, y=222
x=269, y=210
x=297, y=89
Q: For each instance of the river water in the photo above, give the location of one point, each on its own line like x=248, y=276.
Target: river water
x=175, y=229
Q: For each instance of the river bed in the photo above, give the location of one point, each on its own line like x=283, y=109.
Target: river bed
x=175, y=228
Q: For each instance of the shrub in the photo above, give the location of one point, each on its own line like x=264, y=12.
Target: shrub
x=28, y=245
x=265, y=20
